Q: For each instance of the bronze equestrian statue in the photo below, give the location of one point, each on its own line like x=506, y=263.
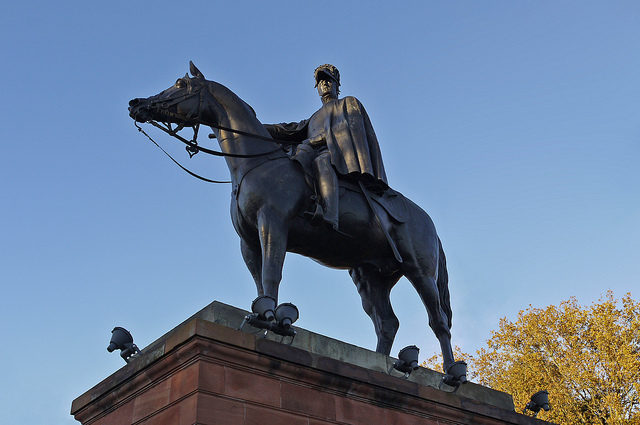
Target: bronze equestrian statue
x=382, y=235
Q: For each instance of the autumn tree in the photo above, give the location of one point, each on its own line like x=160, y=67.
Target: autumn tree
x=435, y=362
x=588, y=358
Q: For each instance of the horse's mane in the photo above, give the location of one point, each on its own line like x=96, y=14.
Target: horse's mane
x=213, y=84
x=250, y=108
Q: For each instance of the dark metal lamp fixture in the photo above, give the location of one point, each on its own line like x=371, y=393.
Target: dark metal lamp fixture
x=539, y=400
x=122, y=340
x=264, y=307
x=286, y=315
x=271, y=318
x=456, y=374
x=407, y=360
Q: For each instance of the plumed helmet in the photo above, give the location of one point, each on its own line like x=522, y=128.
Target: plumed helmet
x=327, y=70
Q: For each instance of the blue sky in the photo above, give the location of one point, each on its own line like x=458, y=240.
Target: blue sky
x=515, y=125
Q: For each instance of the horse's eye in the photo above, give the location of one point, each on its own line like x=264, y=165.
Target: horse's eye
x=179, y=84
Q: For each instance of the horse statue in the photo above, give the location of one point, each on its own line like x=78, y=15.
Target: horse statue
x=270, y=194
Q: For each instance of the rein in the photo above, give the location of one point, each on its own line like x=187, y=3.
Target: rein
x=192, y=146
x=176, y=162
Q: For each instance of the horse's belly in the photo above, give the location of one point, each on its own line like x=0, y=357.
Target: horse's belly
x=361, y=241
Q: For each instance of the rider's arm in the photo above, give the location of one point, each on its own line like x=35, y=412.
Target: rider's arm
x=290, y=132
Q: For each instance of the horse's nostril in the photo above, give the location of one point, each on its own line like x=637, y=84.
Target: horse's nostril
x=134, y=102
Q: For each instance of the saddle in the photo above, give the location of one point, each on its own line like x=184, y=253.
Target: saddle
x=393, y=202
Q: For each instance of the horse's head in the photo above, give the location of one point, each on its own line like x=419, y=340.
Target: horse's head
x=179, y=104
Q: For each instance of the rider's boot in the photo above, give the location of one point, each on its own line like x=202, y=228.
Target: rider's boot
x=327, y=181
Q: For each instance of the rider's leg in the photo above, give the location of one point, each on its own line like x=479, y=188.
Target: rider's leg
x=327, y=181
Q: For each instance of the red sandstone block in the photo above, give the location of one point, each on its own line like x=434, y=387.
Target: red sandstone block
x=256, y=415
x=395, y=417
x=211, y=377
x=166, y=417
x=358, y=413
x=122, y=415
x=252, y=387
x=183, y=382
x=436, y=395
x=318, y=422
x=460, y=417
x=456, y=416
x=181, y=413
x=151, y=400
x=188, y=410
x=308, y=401
x=213, y=410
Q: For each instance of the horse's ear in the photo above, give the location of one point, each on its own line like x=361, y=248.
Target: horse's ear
x=195, y=71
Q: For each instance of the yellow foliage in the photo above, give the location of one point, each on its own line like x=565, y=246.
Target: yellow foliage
x=588, y=358
x=435, y=362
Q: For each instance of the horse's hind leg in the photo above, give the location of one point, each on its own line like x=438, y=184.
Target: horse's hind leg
x=374, y=289
x=425, y=284
x=252, y=255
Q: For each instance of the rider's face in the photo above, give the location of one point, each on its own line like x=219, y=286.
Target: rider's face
x=327, y=88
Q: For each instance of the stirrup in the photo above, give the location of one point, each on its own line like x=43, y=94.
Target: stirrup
x=317, y=218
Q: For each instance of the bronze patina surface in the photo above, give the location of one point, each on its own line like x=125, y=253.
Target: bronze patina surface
x=374, y=232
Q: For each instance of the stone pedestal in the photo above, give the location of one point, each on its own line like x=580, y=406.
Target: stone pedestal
x=206, y=372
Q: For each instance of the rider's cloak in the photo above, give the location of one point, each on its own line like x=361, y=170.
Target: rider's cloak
x=347, y=130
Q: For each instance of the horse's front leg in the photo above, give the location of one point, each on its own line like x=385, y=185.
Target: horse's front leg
x=252, y=255
x=273, y=232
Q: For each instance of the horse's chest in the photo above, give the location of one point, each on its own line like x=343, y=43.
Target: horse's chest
x=244, y=222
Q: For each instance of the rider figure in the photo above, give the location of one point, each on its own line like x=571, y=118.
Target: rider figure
x=338, y=138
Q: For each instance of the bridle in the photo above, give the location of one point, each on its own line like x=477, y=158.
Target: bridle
x=192, y=146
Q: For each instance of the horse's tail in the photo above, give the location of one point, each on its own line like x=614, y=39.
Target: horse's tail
x=443, y=284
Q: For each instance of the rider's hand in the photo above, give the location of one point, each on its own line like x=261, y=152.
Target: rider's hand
x=316, y=141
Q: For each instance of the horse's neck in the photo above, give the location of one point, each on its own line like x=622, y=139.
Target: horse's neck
x=228, y=110
x=238, y=144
